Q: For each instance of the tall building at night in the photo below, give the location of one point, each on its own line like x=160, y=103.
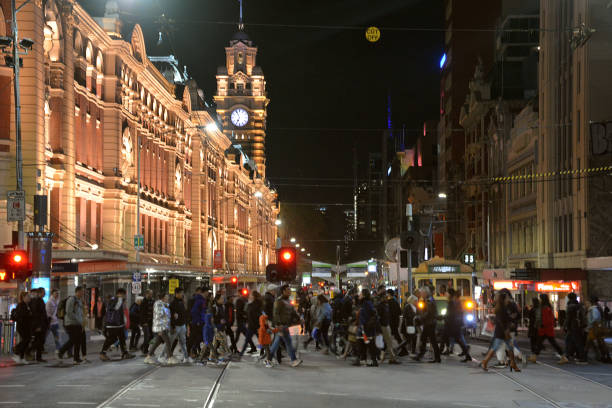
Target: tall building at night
x=94, y=105
x=242, y=100
x=464, y=44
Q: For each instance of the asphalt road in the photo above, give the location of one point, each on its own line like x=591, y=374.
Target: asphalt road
x=321, y=381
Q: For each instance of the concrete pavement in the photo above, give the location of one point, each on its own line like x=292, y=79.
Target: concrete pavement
x=322, y=380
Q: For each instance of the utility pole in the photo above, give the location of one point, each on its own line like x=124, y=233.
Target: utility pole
x=18, y=155
x=409, y=228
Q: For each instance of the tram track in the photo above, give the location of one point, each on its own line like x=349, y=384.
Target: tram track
x=126, y=388
x=212, y=394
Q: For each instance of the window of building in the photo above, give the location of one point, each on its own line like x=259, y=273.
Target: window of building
x=463, y=287
x=578, y=126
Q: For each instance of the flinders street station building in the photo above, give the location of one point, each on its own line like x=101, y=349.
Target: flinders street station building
x=101, y=112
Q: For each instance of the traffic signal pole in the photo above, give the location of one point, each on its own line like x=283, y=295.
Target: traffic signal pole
x=409, y=228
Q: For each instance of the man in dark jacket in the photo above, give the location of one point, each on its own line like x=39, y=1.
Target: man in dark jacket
x=395, y=312
x=574, y=326
x=197, y=310
x=40, y=322
x=429, y=319
x=408, y=327
x=178, y=322
x=284, y=317
x=241, y=323
x=146, y=320
x=254, y=309
x=381, y=302
x=135, y=323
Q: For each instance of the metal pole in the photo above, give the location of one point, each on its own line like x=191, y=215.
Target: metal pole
x=138, y=200
x=409, y=228
x=489, y=234
x=18, y=158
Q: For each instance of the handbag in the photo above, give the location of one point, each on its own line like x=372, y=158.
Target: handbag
x=380, y=343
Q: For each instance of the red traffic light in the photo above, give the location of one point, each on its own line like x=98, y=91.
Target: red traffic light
x=234, y=280
x=287, y=256
x=244, y=291
x=17, y=259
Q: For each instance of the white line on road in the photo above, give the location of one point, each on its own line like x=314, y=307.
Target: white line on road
x=11, y=385
x=332, y=394
x=73, y=385
x=75, y=403
x=465, y=404
x=10, y=402
x=141, y=405
x=276, y=391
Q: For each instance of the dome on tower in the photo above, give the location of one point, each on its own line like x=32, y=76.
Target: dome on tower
x=241, y=36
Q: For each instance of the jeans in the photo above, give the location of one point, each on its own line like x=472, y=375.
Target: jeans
x=54, y=329
x=113, y=334
x=75, y=340
x=180, y=333
x=429, y=333
x=497, y=342
x=285, y=336
x=574, y=344
x=135, y=338
x=161, y=336
x=148, y=334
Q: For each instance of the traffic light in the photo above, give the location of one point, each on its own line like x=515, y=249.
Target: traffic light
x=16, y=265
x=234, y=280
x=409, y=240
x=287, y=264
x=245, y=292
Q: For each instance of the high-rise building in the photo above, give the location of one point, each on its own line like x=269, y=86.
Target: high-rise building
x=464, y=43
x=242, y=100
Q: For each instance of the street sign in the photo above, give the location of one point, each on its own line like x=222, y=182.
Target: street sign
x=139, y=242
x=372, y=34
x=136, y=277
x=136, y=288
x=15, y=210
x=172, y=285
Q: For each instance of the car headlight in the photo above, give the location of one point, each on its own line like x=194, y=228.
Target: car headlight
x=469, y=317
x=443, y=312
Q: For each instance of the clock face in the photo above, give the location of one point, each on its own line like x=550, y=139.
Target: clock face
x=240, y=117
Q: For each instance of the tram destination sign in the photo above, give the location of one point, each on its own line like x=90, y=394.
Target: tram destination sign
x=444, y=268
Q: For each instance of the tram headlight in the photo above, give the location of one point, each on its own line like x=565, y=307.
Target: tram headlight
x=469, y=317
x=469, y=304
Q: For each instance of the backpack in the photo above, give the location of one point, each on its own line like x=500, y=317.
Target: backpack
x=61, y=308
x=113, y=317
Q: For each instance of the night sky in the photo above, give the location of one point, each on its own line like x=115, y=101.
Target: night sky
x=328, y=86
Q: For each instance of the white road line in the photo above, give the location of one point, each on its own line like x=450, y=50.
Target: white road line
x=465, y=404
x=333, y=394
x=141, y=405
x=75, y=403
x=276, y=391
x=11, y=385
x=10, y=402
x=73, y=385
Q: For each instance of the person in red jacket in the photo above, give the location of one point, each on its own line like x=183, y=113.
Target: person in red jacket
x=265, y=337
x=546, y=331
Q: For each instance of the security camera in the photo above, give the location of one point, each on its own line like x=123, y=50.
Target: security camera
x=26, y=43
x=5, y=42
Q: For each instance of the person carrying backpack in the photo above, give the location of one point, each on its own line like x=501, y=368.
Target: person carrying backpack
x=71, y=311
x=114, y=323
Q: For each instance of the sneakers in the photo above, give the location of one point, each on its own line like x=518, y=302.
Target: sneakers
x=77, y=362
x=104, y=357
x=268, y=364
x=127, y=356
x=466, y=359
x=296, y=363
x=149, y=360
x=172, y=360
x=162, y=360
x=17, y=359
x=563, y=360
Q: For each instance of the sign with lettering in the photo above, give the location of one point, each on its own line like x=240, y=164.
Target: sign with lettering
x=601, y=138
x=218, y=259
x=15, y=206
x=172, y=285
x=444, y=268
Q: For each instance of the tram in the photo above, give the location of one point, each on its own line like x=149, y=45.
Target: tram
x=441, y=275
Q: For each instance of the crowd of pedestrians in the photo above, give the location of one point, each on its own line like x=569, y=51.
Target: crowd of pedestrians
x=367, y=327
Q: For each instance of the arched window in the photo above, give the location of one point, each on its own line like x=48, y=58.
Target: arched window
x=89, y=52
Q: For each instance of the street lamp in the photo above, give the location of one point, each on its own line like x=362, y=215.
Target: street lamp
x=278, y=222
x=292, y=240
x=303, y=249
x=308, y=254
x=297, y=245
x=441, y=195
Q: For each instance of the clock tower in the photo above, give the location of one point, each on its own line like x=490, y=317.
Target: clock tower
x=241, y=98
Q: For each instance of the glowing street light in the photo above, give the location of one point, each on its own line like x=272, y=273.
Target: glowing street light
x=441, y=195
x=297, y=245
x=278, y=222
x=292, y=240
x=303, y=249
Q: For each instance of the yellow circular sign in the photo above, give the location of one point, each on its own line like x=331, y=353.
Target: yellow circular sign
x=372, y=34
